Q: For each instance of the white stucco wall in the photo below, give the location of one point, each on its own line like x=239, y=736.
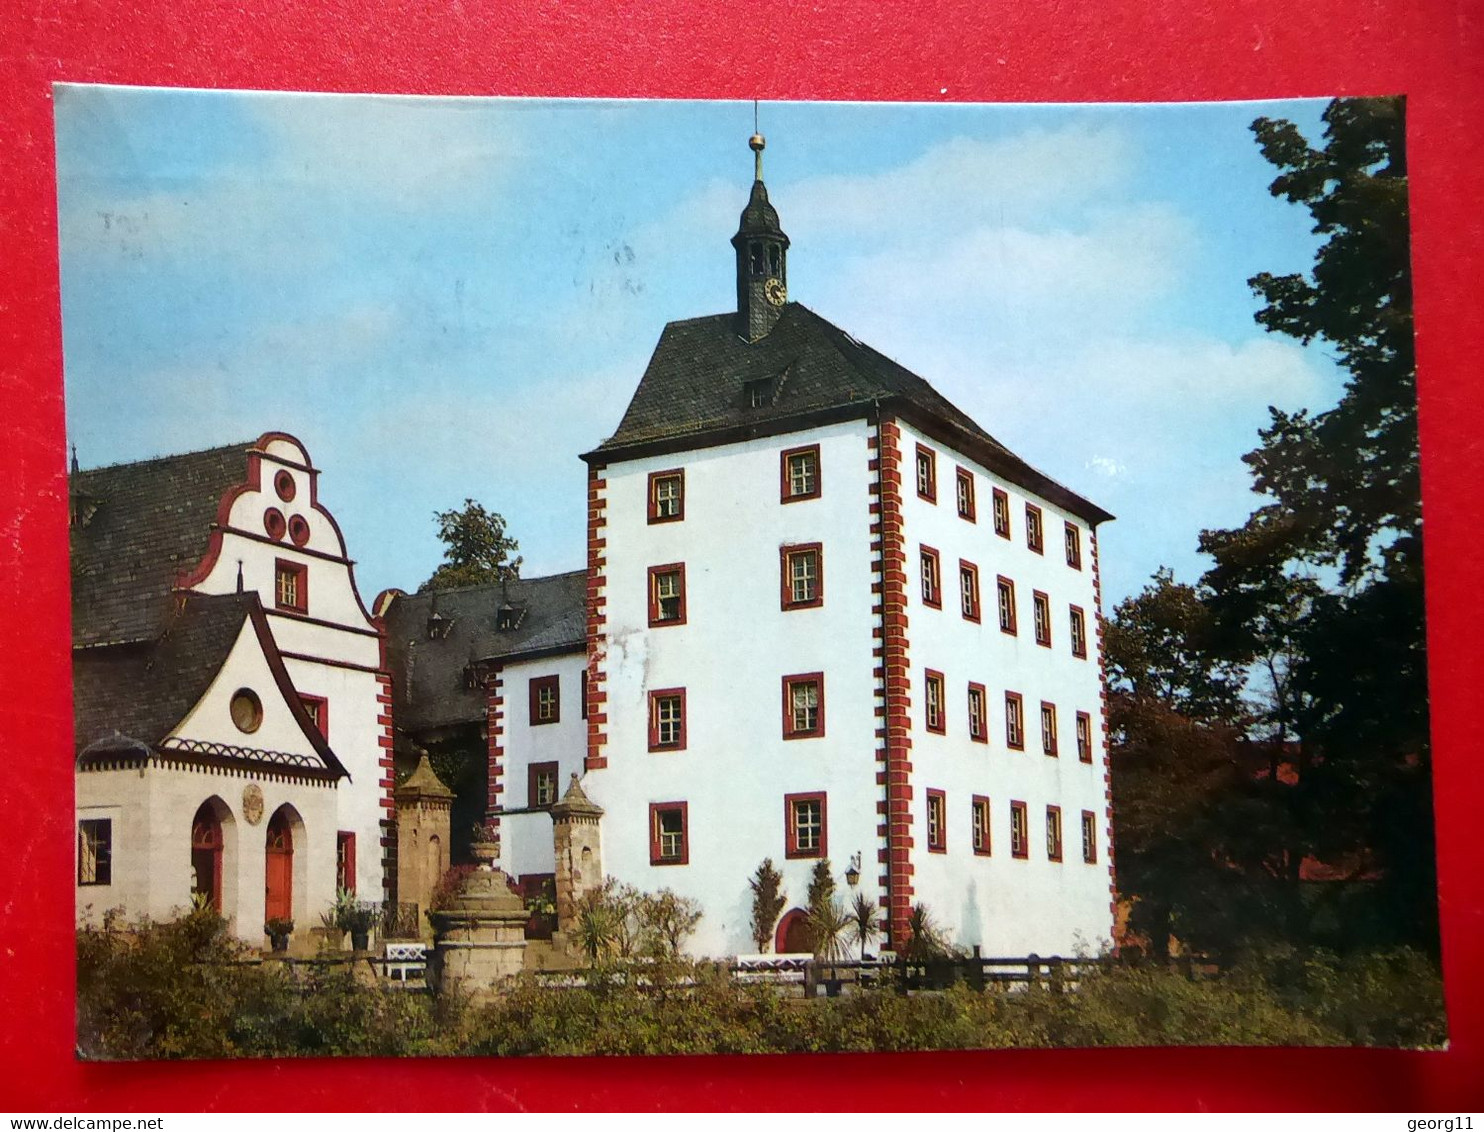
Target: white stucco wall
x=1008, y=906
x=525, y=839
x=730, y=656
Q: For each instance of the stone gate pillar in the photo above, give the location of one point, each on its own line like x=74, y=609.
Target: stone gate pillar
x=578, y=841
x=424, y=806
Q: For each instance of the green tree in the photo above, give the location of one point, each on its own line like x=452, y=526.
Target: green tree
x=819, y=902
x=1321, y=589
x=476, y=549
x=865, y=923
x=667, y=920
x=768, y=900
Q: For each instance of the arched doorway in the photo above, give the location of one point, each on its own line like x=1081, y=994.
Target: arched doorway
x=207, y=844
x=278, y=886
x=793, y=934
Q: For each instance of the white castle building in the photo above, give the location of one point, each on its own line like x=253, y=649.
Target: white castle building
x=825, y=614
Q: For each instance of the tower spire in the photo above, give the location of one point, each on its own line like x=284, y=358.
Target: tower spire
x=762, y=254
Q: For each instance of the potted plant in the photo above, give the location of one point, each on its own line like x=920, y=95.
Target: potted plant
x=358, y=919
x=278, y=930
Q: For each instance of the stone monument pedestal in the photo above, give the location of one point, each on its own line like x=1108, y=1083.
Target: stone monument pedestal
x=479, y=940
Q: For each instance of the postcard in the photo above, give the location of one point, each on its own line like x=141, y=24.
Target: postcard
x=566, y=577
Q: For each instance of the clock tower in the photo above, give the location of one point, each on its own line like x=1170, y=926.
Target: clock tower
x=762, y=257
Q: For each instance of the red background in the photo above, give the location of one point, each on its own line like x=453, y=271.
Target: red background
x=1114, y=50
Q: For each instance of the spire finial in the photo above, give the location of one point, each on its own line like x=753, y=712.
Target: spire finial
x=75, y=468
x=757, y=143
x=239, y=575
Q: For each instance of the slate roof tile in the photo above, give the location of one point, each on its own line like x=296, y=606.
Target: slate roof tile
x=429, y=685
x=143, y=689
x=699, y=379
x=146, y=523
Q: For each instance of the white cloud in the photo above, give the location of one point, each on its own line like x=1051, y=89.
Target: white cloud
x=407, y=152
x=961, y=183
x=1105, y=466
x=965, y=182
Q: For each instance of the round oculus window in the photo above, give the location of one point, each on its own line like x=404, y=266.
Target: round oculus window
x=247, y=710
x=299, y=530
x=273, y=523
x=283, y=483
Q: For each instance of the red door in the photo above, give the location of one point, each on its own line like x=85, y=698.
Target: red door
x=206, y=857
x=278, y=892
x=793, y=936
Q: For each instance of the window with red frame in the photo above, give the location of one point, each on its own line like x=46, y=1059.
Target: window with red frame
x=978, y=714
x=982, y=843
x=291, y=586
x=1014, y=721
x=667, y=496
x=1001, y=513
x=803, y=706
x=932, y=581
x=1079, y=632
x=1034, y=536
x=1020, y=831
x=805, y=831
x=1084, y=736
x=1053, y=833
x=937, y=825
x=1074, y=546
x=964, y=488
x=667, y=719
x=1089, y=837
x=802, y=579
x=927, y=474
x=319, y=713
x=667, y=595
x=345, y=861
x=546, y=700
x=669, y=837
x=799, y=474
x=1048, y=728
x=933, y=698
x=1005, y=601
x=1041, y=618
x=968, y=589
x=541, y=785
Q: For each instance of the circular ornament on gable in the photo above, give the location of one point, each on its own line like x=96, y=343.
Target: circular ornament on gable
x=252, y=803
x=247, y=710
x=283, y=483
x=299, y=530
x=273, y=523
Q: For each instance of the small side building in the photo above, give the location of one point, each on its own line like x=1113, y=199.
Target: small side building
x=231, y=709
x=490, y=681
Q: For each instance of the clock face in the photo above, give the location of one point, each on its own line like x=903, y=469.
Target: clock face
x=775, y=292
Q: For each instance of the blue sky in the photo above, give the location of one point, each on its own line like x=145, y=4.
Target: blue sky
x=454, y=297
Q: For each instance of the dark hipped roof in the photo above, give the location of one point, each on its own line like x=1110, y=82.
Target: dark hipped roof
x=697, y=380
x=130, y=697
x=429, y=683
x=146, y=523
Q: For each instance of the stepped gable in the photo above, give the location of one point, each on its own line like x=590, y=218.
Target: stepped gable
x=434, y=638
x=140, y=526
x=699, y=383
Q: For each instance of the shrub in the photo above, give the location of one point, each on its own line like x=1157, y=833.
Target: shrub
x=185, y=988
x=768, y=900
